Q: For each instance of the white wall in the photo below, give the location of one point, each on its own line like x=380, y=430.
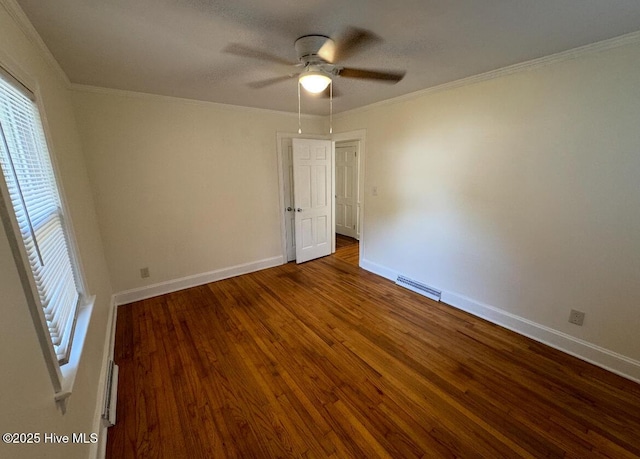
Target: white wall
x=26, y=392
x=520, y=193
x=182, y=187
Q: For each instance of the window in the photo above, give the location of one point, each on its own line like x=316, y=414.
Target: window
x=30, y=192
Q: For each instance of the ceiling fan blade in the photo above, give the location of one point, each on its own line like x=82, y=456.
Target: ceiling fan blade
x=347, y=43
x=270, y=81
x=390, y=77
x=328, y=51
x=245, y=51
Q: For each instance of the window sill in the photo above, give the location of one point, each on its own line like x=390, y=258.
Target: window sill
x=69, y=370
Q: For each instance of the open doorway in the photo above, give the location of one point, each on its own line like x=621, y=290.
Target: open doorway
x=354, y=142
x=347, y=206
x=287, y=209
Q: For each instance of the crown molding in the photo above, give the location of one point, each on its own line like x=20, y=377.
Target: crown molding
x=593, y=48
x=149, y=96
x=21, y=19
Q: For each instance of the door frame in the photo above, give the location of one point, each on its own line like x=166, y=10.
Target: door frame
x=360, y=136
x=283, y=229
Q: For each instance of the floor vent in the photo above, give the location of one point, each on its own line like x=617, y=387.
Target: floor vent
x=419, y=287
x=111, y=395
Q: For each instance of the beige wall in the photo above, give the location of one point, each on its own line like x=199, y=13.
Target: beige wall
x=182, y=187
x=27, y=396
x=521, y=193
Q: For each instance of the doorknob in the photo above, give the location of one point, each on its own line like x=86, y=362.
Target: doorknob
x=289, y=209
x=298, y=209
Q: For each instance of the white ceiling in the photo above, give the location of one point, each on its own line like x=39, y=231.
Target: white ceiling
x=173, y=47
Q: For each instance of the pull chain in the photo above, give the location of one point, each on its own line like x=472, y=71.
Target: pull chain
x=331, y=107
x=299, y=116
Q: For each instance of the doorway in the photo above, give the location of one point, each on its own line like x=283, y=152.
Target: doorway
x=286, y=181
x=347, y=188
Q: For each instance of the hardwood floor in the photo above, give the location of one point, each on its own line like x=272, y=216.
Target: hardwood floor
x=347, y=249
x=324, y=359
x=344, y=241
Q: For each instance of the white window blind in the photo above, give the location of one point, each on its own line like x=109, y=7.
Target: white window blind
x=34, y=196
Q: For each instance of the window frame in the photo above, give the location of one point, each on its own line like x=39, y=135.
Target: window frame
x=62, y=375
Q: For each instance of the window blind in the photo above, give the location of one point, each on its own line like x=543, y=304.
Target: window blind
x=34, y=196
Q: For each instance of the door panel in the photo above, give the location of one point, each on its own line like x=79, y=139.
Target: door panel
x=302, y=186
x=322, y=224
x=312, y=195
x=306, y=240
x=321, y=191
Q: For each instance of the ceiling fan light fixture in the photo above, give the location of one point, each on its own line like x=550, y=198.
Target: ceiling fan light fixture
x=314, y=82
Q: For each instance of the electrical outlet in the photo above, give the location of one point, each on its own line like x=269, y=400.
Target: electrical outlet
x=576, y=317
x=144, y=272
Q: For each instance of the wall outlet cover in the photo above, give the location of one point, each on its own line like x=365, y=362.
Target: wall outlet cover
x=576, y=317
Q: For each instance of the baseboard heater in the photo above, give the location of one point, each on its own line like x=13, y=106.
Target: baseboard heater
x=419, y=287
x=111, y=395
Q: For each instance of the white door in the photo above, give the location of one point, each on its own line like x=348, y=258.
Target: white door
x=347, y=189
x=312, y=196
x=289, y=213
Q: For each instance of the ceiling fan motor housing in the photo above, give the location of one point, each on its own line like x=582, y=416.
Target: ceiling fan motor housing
x=307, y=48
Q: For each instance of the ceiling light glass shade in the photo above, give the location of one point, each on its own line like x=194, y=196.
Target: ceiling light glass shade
x=314, y=82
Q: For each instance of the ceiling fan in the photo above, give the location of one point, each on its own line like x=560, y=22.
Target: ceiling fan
x=318, y=57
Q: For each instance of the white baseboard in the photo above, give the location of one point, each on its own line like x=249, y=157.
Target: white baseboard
x=604, y=358
x=162, y=288
x=98, y=449
x=379, y=270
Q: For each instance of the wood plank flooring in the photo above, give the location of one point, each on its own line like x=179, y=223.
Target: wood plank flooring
x=347, y=249
x=327, y=360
